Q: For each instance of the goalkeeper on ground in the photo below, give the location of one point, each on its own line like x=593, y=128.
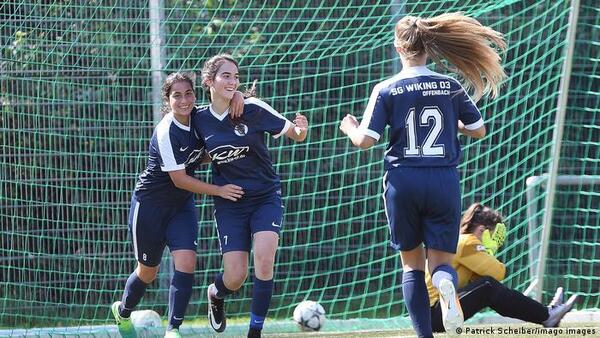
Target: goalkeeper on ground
x=479, y=273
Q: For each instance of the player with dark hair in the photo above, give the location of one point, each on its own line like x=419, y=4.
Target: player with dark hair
x=425, y=111
x=163, y=210
x=479, y=275
x=240, y=156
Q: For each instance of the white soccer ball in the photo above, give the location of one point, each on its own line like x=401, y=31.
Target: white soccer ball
x=309, y=315
x=145, y=318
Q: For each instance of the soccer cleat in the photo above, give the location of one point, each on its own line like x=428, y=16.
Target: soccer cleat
x=125, y=326
x=559, y=297
x=557, y=312
x=172, y=333
x=452, y=315
x=216, y=310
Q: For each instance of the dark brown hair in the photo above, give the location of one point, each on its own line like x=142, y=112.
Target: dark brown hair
x=460, y=40
x=478, y=214
x=172, y=79
x=211, y=68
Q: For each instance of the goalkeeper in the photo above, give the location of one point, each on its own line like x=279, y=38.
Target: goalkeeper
x=479, y=272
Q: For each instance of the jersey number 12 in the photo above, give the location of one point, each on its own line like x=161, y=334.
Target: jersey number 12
x=430, y=117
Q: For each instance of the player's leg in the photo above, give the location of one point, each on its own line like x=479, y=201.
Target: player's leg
x=182, y=234
x=147, y=238
x=234, y=241
x=488, y=292
x=441, y=231
x=265, y=225
x=402, y=196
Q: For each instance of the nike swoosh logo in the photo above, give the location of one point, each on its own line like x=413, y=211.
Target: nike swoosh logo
x=177, y=318
x=195, y=242
x=183, y=149
x=207, y=137
x=259, y=322
x=276, y=225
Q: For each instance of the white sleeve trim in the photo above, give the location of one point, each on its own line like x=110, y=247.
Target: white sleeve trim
x=287, y=127
x=164, y=145
x=369, y=132
x=177, y=167
x=475, y=125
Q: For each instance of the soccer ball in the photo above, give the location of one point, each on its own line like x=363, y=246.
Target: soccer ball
x=145, y=318
x=309, y=315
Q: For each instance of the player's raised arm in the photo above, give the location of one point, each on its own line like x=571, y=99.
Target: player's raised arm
x=349, y=126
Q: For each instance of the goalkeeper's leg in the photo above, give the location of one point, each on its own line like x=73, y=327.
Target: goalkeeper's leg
x=488, y=292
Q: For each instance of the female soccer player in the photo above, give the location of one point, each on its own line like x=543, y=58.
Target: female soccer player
x=162, y=206
x=479, y=273
x=425, y=110
x=239, y=156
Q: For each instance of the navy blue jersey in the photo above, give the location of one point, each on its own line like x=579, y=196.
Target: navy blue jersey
x=173, y=146
x=237, y=147
x=422, y=109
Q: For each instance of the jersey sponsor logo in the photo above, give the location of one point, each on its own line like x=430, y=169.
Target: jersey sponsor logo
x=228, y=153
x=240, y=129
x=194, y=156
x=480, y=248
x=183, y=149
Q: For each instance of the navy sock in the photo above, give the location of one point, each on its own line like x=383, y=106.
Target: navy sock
x=133, y=293
x=179, y=297
x=262, y=290
x=444, y=272
x=416, y=299
x=222, y=290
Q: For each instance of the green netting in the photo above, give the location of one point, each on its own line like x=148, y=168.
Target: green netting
x=77, y=114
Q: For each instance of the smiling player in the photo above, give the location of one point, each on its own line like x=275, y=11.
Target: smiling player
x=240, y=156
x=163, y=210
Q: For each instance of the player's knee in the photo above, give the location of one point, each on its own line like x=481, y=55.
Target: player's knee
x=146, y=273
x=489, y=282
x=234, y=278
x=263, y=266
x=186, y=265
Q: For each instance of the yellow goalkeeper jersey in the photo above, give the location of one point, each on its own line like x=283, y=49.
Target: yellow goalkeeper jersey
x=470, y=262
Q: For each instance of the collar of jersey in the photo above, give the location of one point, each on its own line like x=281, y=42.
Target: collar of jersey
x=179, y=124
x=217, y=116
x=416, y=70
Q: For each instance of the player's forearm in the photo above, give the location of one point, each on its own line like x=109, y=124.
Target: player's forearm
x=359, y=139
x=298, y=134
x=196, y=186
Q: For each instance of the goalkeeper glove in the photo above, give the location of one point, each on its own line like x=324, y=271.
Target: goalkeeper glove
x=489, y=244
x=499, y=234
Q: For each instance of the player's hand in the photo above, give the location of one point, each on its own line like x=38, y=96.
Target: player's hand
x=499, y=234
x=236, y=107
x=491, y=247
x=301, y=122
x=348, y=123
x=230, y=192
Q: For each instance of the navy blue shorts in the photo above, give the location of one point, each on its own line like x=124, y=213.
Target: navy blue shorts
x=237, y=222
x=154, y=226
x=422, y=205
